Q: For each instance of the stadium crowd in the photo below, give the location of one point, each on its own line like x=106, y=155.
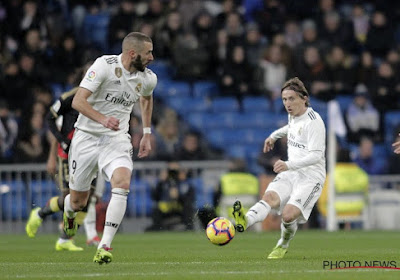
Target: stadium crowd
x=247, y=47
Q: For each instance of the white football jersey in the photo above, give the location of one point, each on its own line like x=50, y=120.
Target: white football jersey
x=305, y=133
x=114, y=93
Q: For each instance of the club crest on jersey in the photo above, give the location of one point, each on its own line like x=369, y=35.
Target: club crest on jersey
x=300, y=130
x=118, y=72
x=91, y=76
x=138, y=88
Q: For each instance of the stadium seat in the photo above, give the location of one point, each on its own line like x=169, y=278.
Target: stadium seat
x=162, y=69
x=56, y=89
x=95, y=30
x=225, y=104
x=256, y=104
x=185, y=105
x=344, y=102
x=167, y=88
x=205, y=89
x=319, y=106
x=391, y=123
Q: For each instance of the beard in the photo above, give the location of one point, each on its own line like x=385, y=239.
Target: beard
x=138, y=64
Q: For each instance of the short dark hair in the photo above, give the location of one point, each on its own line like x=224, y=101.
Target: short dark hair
x=296, y=85
x=135, y=40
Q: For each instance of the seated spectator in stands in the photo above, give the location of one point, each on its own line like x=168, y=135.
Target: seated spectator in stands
x=362, y=117
x=274, y=72
x=31, y=148
x=167, y=137
x=360, y=20
x=366, y=70
x=191, y=149
x=315, y=74
x=191, y=58
x=380, y=35
x=384, y=93
x=341, y=68
x=8, y=133
x=293, y=35
x=121, y=24
x=174, y=200
x=235, y=78
x=167, y=35
x=255, y=44
x=336, y=31
x=366, y=160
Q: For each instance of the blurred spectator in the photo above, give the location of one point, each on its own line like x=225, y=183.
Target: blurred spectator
x=323, y=8
x=309, y=39
x=191, y=58
x=385, y=96
x=121, y=24
x=8, y=133
x=335, y=31
x=315, y=74
x=228, y=6
x=235, y=31
x=340, y=66
x=379, y=36
x=191, y=148
x=274, y=72
x=167, y=137
x=293, y=35
x=167, y=36
x=271, y=17
x=362, y=118
x=366, y=71
x=16, y=90
x=235, y=78
x=174, y=199
x=155, y=12
x=366, y=160
x=67, y=57
x=255, y=44
x=360, y=21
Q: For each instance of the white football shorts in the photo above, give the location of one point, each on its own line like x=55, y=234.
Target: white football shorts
x=297, y=189
x=90, y=154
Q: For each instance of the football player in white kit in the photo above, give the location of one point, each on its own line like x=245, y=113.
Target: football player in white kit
x=298, y=185
x=101, y=143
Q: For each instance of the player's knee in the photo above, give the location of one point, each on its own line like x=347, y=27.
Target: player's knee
x=272, y=199
x=288, y=217
x=121, y=184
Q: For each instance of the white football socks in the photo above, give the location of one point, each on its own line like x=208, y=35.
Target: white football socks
x=257, y=213
x=115, y=213
x=90, y=220
x=67, y=207
x=288, y=230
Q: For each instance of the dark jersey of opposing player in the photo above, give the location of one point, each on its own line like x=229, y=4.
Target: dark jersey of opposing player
x=63, y=107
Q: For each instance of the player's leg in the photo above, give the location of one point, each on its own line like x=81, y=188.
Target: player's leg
x=290, y=215
x=54, y=204
x=276, y=192
x=297, y=210
x=89, y=222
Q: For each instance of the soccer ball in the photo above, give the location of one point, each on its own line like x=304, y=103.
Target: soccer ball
x=220, y=231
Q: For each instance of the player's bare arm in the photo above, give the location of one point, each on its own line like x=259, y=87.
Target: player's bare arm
x=280, y=166
x=396, y=146
x=51, y=165
x=146, y=105
x=269, y=144
x=81, y=104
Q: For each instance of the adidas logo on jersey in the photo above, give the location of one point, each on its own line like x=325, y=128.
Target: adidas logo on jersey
x=298, y=201
x=117, y=82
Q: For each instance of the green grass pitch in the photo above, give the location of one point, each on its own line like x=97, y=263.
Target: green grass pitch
x=191, y=256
